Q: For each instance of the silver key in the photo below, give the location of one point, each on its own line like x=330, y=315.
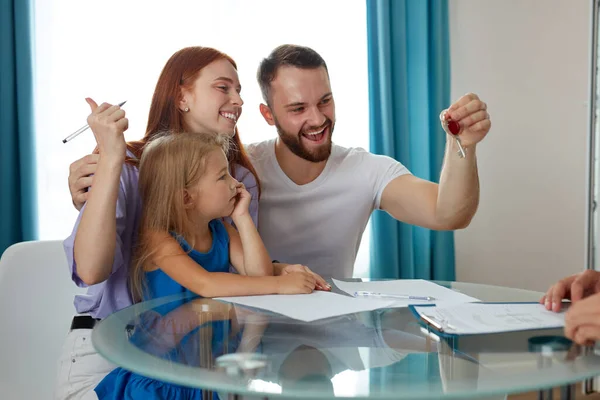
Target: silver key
x=461, y=150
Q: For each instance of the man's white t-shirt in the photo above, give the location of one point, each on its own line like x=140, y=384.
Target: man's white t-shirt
x=320, y=224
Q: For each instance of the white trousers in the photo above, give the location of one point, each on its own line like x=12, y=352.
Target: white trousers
x=80, y=367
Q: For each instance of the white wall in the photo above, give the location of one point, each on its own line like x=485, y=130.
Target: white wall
x=530, y=61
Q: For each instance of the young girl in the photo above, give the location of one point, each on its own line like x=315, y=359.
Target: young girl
x=186, y=190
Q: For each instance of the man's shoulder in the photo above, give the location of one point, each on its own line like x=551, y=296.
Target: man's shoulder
x=260, y=151
x=353, y=154
x=356, y=161
x=257, y=147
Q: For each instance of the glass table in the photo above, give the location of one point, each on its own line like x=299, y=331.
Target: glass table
x=231, y=350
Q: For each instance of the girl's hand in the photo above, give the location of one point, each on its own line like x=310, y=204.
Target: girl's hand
x=242, y=202
x=296, y=283
x=321, y=284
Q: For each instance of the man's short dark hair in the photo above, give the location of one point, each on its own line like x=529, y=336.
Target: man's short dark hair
x=286, y=55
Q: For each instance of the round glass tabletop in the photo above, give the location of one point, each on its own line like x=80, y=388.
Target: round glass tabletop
x=226, y=348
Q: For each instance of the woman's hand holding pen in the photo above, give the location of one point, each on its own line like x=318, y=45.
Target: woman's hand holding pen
x=108, y=123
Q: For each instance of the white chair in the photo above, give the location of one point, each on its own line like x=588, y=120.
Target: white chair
x=36, y=308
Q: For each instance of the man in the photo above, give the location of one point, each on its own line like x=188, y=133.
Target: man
x=317, y=197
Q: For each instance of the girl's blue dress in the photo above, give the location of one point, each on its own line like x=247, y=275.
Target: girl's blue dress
x=123, y=384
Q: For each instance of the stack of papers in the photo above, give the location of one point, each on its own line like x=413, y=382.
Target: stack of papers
x=482, y=318
x=446, y=310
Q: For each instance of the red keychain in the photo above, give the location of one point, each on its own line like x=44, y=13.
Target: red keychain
x=454, y=129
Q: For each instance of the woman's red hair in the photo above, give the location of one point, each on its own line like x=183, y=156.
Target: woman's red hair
x=180, y=72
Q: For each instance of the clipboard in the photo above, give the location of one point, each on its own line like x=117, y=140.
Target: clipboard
x=429, y=323
x=445, y=329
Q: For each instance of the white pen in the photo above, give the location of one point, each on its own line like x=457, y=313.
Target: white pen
x=82, y=129
x=393, y=296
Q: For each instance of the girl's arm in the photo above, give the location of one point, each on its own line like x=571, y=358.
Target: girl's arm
x=176, y=263
x=94, y=246
x=247, y=251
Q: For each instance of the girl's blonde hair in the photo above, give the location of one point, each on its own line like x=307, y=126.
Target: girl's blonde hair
x=170, y=164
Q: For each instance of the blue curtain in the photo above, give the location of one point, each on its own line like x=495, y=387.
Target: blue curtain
x=18, y=198
x=409, y=85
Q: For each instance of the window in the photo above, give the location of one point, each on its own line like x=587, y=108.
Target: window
x=114, y=51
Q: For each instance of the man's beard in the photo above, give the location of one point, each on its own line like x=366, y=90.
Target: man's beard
x=296, y=146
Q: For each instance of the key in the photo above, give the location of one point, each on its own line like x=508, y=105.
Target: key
x=454, y=128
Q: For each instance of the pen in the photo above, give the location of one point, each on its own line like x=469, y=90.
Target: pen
x=82, y=129
x=393, y=296
x=442, y=325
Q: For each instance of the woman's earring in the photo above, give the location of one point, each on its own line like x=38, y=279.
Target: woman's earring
x=186, y=109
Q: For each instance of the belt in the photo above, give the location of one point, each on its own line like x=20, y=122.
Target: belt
x=83, y=322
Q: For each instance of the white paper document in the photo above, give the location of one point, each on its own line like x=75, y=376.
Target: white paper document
x=310, y=307
x=478, y=318
x=407, y=287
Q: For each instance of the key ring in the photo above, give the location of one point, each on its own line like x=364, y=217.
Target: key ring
x=453, y=128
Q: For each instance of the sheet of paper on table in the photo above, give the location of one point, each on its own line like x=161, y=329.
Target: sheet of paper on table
x=408, y=287
x=310, y=307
